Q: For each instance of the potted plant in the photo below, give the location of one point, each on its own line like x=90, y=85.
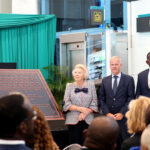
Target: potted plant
x=57, y=80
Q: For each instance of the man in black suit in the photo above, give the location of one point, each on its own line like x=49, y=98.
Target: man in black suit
x=17, y=118
x=116, y=91
x=143, y=83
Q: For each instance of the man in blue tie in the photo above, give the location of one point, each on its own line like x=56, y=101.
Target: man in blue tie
x=116, y=91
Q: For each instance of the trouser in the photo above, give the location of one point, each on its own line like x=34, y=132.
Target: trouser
x=123, y=128
x=123, y=132
x=76, y=132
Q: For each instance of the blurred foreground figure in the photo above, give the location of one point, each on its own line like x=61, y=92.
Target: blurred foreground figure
x=17, y=121
x=145, y=139
x=102, y=134
x=42, y=138
x=136, y=121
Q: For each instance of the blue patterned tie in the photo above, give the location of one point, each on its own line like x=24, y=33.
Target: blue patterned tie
x=115, y=85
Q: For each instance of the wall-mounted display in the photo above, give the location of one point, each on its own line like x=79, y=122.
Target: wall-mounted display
x=96, y=65
x=96, y=55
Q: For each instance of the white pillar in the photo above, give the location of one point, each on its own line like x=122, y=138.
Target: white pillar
x=19, y=6
x=25, y=7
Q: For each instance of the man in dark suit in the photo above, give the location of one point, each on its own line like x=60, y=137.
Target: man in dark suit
x=116, y=91
x=143, y=83
x=17, y=118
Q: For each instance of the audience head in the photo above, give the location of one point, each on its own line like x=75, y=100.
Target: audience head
x=42, y=138
x=145, y=139
x=16, y=116
x=80, y=72
x=136, y=114
x=102, y=134
x=115, y=65
x=148, y=58
x=147, y=116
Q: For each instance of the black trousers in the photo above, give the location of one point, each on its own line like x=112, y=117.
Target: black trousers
x=76, y=132
x=123, y=128
x=123, y=133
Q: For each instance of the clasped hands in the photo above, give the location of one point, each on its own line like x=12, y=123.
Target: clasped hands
x=84, y=112
x=117, y=116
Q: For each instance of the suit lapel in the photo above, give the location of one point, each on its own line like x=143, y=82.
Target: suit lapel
x=146, y=77
x=110, y=84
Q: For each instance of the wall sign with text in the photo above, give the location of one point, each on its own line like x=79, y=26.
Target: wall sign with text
x=143, y=24
x=31, y=83
x=96, y=16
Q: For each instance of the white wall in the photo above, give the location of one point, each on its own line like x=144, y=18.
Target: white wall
x=19, y=6
x=25, y=6
x=138, y=43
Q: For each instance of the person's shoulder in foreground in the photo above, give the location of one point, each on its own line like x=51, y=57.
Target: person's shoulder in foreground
x=17, y=122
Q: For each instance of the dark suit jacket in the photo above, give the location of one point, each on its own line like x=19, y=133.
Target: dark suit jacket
x=14, y=147
x=117, y=103
x=142, y=84
x=131, y=142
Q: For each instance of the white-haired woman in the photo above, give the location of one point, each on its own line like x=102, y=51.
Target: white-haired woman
x=80, y=101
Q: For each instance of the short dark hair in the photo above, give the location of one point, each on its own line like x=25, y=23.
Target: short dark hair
x=12, y=113
x=102, y=133
x=148, y=54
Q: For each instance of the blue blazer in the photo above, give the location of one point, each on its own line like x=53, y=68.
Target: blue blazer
x=142, y=84
x=118, y=103
x=14, y=147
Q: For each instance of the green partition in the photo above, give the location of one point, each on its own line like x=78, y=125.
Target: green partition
x=28, y=40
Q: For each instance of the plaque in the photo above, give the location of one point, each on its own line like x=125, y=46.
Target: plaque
x=32, y=84
x=96, y=16
x=143, y=24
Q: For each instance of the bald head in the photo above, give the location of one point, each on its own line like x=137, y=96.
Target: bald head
x=145, y=139
x=102, y=134
x=115, y=65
